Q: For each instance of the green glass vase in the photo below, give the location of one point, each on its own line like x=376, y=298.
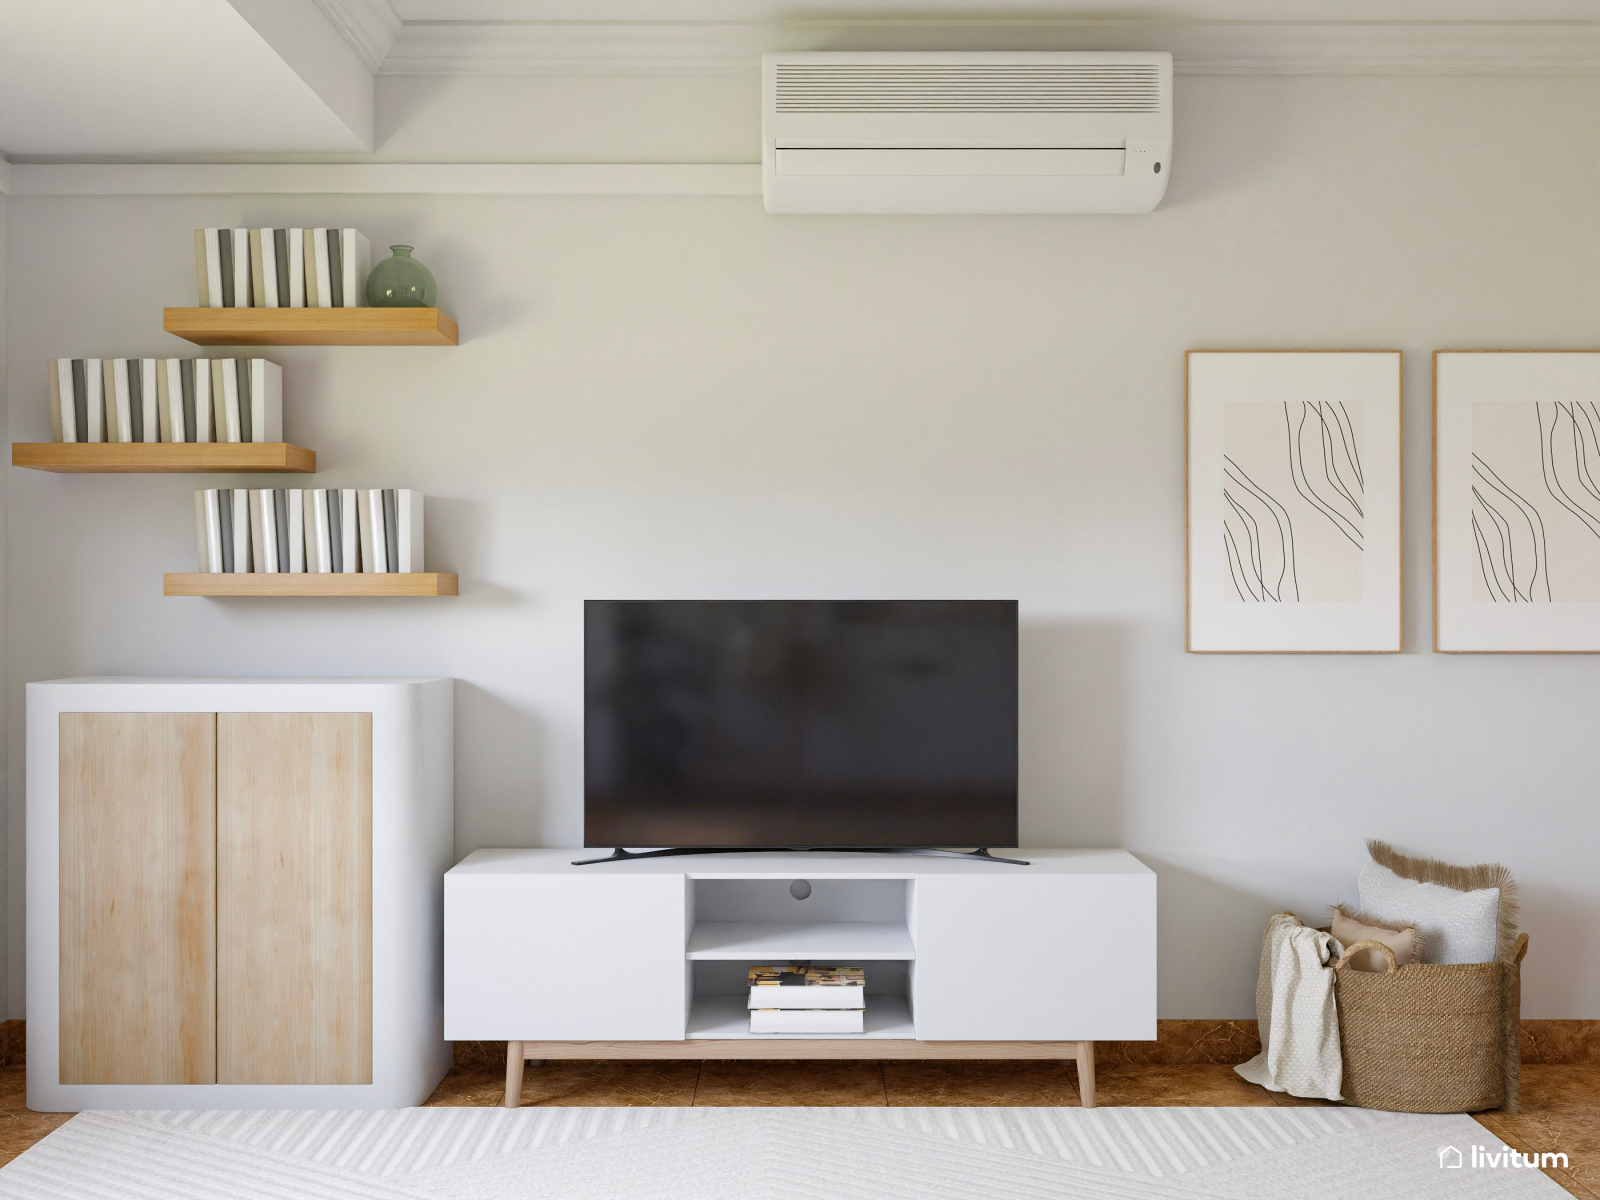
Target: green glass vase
x=401, y=282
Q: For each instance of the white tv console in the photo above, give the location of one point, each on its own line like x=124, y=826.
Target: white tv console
x=647, y=958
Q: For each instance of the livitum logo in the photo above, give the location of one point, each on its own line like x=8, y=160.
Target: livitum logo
x=1503, y=1157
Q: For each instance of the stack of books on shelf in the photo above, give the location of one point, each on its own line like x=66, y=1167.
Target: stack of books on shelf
x=281, y=268
x=808, y=999
x=166, y=400
x=316, y=531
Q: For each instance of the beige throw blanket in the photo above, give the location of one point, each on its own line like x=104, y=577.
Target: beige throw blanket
x=1295, y=1011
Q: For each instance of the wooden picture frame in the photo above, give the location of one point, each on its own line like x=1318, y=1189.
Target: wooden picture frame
x=1279, y=561
x=1516, y=501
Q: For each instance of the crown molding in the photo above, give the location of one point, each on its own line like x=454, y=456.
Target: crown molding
x=369, y=26
x=437, y=179
x=1198, y=48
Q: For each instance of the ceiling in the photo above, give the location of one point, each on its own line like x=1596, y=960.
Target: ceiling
x=106, y=77
x=90, y=78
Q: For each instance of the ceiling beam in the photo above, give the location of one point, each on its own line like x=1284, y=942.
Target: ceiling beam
x=409, y=179
x=299, y=32
x=1198, y=47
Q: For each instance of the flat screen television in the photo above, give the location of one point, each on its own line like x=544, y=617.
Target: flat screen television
x=800, y=724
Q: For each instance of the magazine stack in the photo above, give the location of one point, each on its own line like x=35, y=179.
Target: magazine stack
x=807, y=999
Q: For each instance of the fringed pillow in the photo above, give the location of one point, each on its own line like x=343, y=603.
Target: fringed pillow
x=1464, y=914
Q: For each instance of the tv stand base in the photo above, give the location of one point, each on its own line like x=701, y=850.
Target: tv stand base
x=963, y=961
x=534, y=1053
x=619, y=854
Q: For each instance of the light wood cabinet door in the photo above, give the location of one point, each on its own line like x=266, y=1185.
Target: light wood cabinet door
x=294, y=898
x=138, y=898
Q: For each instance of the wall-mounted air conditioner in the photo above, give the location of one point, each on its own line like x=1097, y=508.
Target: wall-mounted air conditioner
x=966, y=133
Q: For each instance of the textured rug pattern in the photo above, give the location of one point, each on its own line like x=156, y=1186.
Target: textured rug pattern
x=765, y=1153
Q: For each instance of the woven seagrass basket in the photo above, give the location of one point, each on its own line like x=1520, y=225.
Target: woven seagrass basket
x=1430, y=1038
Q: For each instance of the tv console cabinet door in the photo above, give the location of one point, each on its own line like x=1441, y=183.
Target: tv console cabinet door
x=138, y=898
x=294, y=898
x=1042, y=958
x=598, y=957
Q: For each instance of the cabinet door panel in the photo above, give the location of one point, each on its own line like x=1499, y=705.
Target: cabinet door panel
x=138, y=898
x=593, y=957
x=1035, y=958
x=294, y=898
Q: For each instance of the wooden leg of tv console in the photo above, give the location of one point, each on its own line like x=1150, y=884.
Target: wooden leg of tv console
x=514, y=1061
x=516, y=1057
x=518, y=1053
x=1086, y=1074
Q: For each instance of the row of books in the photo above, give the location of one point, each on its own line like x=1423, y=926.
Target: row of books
x=807, y=999
x=166, y=400
x=318, y=531
x=281, y=268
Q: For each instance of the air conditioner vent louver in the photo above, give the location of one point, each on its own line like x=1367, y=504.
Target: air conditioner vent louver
x=944, y=88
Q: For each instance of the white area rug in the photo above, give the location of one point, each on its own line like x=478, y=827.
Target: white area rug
x=764, y=1154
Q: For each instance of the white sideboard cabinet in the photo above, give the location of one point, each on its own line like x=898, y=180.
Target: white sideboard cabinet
x=647, y=958
x=234, y=892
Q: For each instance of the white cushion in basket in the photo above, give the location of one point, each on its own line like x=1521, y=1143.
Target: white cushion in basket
x=1455, y=927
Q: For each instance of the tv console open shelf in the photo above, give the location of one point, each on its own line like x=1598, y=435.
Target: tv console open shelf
x=728, y=1017
x=799, y=940
x=646, y=958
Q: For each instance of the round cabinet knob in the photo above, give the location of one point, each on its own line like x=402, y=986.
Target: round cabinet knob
x=800, y=889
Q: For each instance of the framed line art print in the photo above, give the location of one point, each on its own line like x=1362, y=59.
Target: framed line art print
x=1516, y=503
x=1293, y=506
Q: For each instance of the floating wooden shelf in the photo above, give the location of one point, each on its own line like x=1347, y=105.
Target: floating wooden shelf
x=312, y=326
x=421, y=583
x=163, y=457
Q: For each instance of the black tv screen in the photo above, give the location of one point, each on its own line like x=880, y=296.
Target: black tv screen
x=800, y=723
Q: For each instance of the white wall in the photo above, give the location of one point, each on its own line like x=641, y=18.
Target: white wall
x=687, y=397
x=11, y=886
